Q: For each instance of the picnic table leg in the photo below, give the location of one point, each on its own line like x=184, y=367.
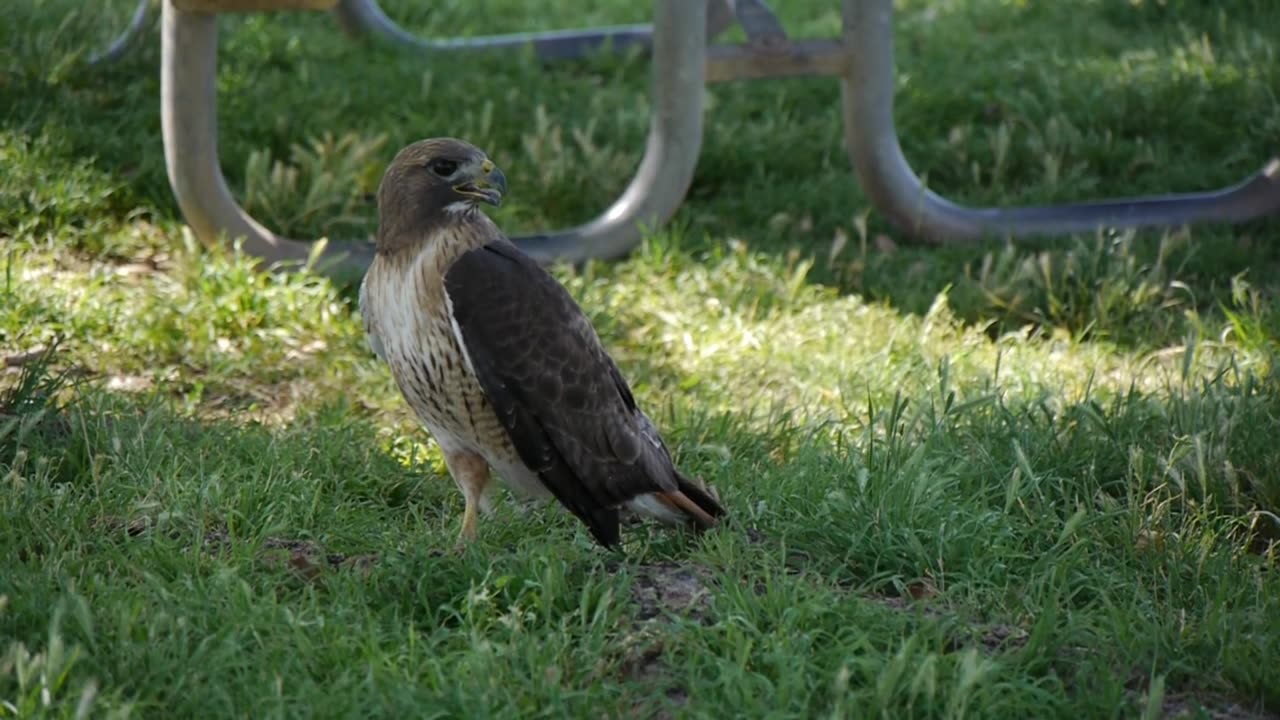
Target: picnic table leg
x=365, y=18
x=188, y=114
x=872, y=142
x=671, y=154
x=126, y=39
x=188, y=100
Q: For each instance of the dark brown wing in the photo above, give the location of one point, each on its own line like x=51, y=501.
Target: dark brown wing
x=566, y=407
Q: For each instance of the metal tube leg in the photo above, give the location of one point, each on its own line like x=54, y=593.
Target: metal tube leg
x=895, y=190
x=675, y=139
x=365, y=18
x=188, y=114
x=126, y=40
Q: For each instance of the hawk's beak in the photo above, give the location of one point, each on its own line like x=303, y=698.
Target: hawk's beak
x=488, y=185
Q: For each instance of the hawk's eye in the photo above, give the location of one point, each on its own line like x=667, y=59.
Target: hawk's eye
x=442, y=167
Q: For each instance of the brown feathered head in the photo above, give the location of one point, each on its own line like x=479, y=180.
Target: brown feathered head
x=431, y=183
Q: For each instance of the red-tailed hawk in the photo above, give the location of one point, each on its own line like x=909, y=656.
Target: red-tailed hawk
x=499, y=362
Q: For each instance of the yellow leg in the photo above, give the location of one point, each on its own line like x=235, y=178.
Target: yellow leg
x=468, y=522
x=471, y=472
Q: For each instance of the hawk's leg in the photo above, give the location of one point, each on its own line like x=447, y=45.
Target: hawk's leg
x=471, y=472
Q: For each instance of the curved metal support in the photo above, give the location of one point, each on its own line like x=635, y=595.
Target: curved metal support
x=675, y=141
x=126, y=39
x=360, y=18
x=872, y=141
x=188, y=114
x=189, y=47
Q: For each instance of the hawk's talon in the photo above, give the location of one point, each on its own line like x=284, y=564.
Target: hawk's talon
x=469, y=522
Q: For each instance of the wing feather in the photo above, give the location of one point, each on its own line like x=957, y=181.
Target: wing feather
x=375, y=343
x=564, y=404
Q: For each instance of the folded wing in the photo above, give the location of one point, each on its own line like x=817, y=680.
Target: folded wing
x=567, y=409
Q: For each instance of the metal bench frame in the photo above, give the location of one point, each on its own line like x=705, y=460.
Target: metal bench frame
x=364, y=19
x=682, y=63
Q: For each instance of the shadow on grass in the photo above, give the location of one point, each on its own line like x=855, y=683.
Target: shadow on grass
x=1087, y=542
x=1206, y=449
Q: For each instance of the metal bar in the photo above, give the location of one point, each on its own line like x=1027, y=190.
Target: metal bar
x=365, y=18
x=189, y=124
x=188, y=115
x=675, y=140
x=127, y=39
x=252, y=6
x=746, y=62
x=872, y=142
x=761, y=25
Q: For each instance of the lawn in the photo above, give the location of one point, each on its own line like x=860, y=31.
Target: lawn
x=1011, y=480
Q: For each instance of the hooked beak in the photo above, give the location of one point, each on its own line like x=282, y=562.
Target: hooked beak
x=488, y=185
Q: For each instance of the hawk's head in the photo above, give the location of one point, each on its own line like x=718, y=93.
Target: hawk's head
x=431, y=183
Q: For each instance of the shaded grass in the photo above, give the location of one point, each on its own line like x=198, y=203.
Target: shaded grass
x=1065, y=531
x=995, y=481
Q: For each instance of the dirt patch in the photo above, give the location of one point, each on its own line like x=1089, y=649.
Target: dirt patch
x=999, y=637
x=20, y=359
x=129, y=383
x=305, y=558
x=308, y=560
x=643, y=662
x=133, y=527
x=216, y=539
x=140, y=268
x=670, y=587
x=659, y=590
x=993, y=637
x=1178, y=703
x=1186, y=704
x=1180, y=706
x=904, y=604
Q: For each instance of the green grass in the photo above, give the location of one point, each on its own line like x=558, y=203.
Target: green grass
x=1004, y=480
